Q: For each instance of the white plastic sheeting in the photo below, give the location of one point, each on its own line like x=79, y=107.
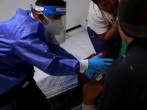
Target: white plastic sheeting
x=80, y=46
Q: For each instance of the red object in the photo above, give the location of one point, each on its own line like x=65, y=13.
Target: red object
x=82, y=79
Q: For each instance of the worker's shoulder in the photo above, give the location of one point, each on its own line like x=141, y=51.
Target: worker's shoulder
x=27, y=24
x=25, y=18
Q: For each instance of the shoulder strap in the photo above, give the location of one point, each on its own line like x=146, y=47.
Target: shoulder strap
x=104, y=16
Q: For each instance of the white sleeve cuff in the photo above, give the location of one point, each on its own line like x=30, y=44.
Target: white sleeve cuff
x=83, y=65
x=88, y=107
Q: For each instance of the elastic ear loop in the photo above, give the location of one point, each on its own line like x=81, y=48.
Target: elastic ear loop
x=45, y=17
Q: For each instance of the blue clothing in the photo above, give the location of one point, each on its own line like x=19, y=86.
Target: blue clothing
x=110, y=48
x=97, y=43
x=23, y=45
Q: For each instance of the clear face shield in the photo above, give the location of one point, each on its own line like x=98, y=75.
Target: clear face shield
x=56, y=22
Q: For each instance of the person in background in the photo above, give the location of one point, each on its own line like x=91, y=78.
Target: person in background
x=104, y=35
x=28, y=39
x=102, y=27
x=125, y=85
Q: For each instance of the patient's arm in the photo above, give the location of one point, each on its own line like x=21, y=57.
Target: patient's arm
x=91, y=91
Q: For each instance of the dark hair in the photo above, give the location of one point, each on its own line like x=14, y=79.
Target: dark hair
x=97, y=1
x=132, y=16
x=50, y=2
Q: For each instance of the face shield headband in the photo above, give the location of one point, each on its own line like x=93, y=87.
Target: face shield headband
x=51, y=10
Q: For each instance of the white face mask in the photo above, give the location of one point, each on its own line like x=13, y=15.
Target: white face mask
x=54, y=26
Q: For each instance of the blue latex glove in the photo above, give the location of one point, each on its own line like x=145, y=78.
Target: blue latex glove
x=89, y=73
x=99, y=64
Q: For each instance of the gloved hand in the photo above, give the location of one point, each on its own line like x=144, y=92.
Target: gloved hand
x=89, y=73
x=99, y=64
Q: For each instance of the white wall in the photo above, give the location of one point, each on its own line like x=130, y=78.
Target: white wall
x=76, y=9
x=8, y=7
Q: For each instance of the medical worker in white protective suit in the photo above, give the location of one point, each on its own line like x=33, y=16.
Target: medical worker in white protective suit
x=29, y=39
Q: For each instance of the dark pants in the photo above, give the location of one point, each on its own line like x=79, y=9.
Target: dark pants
x=97, y=43
x=112, y=48
x=27, y=98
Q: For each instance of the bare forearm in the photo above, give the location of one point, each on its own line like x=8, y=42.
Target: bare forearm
x=111, y=33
